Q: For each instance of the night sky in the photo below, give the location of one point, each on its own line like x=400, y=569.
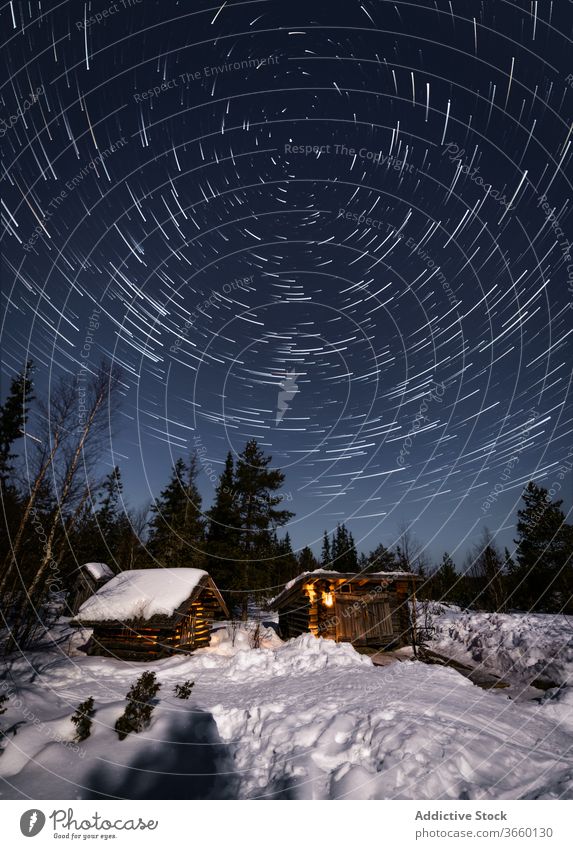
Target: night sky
x=341, y=228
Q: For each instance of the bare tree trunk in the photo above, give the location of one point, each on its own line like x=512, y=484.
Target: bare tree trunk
x=104, y=382
x=69, y=478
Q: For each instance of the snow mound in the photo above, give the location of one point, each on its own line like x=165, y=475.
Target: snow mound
x=231, y=638
x=515, y=646
x=299, y=656
x=305, y=719
x=141, y=594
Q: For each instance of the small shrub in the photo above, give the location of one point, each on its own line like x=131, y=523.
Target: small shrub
x=183, y=691
x=255, y=639
x=82, y=719
x=137, y=714
x=232, y=628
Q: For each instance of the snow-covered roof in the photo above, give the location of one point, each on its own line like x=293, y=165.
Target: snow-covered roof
x=141, y=594
x=98, y=571
x=316, y=574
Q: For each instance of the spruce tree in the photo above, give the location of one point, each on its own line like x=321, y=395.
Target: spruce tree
x=307, y=562
x=139, y=706
x=223, y=535
x=177, y=529
x=258, y=515
x=102, y=528
x=494, y=593
x=286, y=564
x=382, y=560
x=446, y=581
x=543, y=579
x=13, y=418
x=351, y=554
x=82, y=719
x=343, y=550
x=109, y=514
x=326, y=554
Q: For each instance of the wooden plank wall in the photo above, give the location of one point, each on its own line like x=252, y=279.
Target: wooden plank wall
x=191, y=632
x=295, y=620
x=302, y=616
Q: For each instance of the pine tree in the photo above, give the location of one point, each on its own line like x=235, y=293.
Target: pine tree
x=258, y=516
x=177, y=528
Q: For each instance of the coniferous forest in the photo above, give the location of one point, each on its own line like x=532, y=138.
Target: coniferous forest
x=61, y=511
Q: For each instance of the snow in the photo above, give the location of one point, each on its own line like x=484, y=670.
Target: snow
x=305, y=719
x=316, y=572
x=98, y=571
x=140, y=594
x=305, y=654
x=521, y=647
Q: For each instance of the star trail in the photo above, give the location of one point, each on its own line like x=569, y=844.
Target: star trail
x=343, y=229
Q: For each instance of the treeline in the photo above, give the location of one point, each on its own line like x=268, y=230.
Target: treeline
x=538, y=576
x=59, y=511
x=49, y=486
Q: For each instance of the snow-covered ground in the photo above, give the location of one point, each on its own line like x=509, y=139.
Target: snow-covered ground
x=304, y=719
x=521, y=647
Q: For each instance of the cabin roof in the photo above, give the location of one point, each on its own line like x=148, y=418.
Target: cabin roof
x=141, y=594
x=98, y=571
x=318, y=574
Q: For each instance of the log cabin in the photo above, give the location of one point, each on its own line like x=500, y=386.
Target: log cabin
x=147, y=614
x=365, y=609
x=89, y=578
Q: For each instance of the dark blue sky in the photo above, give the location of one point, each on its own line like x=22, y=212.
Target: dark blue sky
x=362, y=206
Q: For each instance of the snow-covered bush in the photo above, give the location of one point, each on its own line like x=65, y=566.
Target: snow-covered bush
x=137, y=714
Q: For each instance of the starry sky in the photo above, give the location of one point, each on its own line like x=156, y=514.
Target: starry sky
x=339, y=228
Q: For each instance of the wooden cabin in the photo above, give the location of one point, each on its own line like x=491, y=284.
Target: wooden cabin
x=365, y=609
x=146, y=614
x=88, y=580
